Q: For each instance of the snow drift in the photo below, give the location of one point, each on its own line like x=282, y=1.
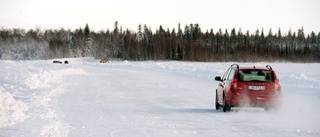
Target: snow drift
x=12, y=111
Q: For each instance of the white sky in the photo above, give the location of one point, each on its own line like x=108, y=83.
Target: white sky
x=101, y=14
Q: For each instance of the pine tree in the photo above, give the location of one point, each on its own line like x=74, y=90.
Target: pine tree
x=139, y=33
x=87, y=49
x=179, y=31
x=87, y=31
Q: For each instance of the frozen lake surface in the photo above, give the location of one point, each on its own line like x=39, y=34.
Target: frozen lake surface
x=147, y=98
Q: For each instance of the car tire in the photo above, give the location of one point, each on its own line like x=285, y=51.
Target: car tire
x=268, y=109
x=226, y=107
x=216, y=102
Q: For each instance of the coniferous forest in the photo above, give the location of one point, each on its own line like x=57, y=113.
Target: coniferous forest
x=186, y=43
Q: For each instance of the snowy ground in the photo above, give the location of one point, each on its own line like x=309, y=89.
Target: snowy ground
x=163, y=98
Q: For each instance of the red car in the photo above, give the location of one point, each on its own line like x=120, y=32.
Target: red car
x=248, y=86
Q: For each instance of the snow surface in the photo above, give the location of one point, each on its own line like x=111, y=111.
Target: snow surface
x=149, y=98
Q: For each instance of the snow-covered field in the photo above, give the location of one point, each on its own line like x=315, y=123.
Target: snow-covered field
x=161, y=98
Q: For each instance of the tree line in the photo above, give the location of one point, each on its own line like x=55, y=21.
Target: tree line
x=188, y=43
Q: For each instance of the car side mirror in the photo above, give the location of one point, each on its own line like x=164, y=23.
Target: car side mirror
x=218, y=78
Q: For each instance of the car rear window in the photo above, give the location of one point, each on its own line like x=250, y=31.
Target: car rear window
x=255, y=75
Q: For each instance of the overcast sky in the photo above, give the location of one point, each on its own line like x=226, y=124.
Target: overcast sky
x=101, y=14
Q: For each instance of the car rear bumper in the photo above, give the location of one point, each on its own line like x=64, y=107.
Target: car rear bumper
x=253, y=100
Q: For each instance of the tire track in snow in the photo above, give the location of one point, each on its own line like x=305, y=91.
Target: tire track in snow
x=48, y=85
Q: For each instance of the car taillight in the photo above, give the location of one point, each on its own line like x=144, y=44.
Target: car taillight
x=234, y=84
x=277, y=87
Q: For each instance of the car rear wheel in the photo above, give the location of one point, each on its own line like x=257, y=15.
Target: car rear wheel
x=216, y=102
x=267, y=108
x=271, y=108
x=226, y=107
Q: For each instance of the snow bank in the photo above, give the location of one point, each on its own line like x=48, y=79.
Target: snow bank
x=28, y=90
x=51, y=81
x=11, y=110
x=44, y=78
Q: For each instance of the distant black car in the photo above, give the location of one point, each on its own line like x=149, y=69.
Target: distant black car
x=55, y=61
x=65, y=62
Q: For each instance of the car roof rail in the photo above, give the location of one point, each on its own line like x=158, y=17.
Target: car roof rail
x=269, y=67
x=235, y=65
